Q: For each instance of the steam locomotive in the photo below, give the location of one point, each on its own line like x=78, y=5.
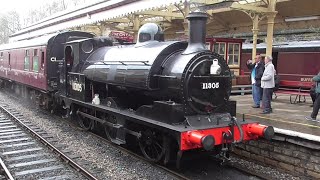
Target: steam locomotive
x=169, y=96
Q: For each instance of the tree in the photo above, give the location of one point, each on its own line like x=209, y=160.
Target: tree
x=9, y=24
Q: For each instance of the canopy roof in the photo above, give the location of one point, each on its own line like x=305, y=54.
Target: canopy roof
x=227, y=18
x=39, y=41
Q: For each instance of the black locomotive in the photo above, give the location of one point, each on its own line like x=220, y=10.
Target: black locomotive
x=165, y=94
x=169, y=96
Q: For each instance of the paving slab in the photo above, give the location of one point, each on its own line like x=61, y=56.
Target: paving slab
x=285, y=115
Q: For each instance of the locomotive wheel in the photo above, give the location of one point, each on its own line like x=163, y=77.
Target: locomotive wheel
x=110, y=132
x=152, y=145
x=85, y=123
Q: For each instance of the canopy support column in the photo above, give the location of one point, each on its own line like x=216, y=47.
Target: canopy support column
x=136, y=26
x=270, y=16
x=255, y=31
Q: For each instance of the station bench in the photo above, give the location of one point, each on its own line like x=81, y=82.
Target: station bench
x=297, y=90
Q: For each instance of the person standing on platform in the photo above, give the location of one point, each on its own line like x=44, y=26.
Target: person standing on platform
x=313, y=94
x=316, y=105
x=267, y=83
x=257, y=69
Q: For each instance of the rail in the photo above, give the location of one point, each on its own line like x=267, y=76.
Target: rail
x=7, y=173
x=49, y=145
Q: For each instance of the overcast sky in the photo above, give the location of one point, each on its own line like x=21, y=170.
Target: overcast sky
x=21, y=6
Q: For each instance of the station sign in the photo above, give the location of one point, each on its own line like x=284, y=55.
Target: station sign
x=121, y=35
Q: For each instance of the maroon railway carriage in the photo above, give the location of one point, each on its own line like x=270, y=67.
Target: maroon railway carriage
x=295, y=62
x=28, y=61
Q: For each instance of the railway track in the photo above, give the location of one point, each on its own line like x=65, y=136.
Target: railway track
x=173, y=173
x=24, y=157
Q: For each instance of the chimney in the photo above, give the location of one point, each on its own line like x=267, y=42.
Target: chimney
x=197, y=32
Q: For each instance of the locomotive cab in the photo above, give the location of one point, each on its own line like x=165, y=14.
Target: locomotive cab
x=72, y=82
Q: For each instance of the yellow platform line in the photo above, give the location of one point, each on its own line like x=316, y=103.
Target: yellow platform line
x=278, y=120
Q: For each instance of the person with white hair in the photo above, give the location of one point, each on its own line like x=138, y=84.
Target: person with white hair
x=267, y=83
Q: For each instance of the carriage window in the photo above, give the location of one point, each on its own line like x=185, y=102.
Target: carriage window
x=26, y=60
x=35, y=61
x=233, y=54
x=1, y=54
x=220, y=48
x=35, y=64
x=35, y=52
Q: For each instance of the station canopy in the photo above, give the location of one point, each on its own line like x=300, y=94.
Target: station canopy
x=226, y=18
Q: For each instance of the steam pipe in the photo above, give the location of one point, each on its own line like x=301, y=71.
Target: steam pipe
x=240, y=130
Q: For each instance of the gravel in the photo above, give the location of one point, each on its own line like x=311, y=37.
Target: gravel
x=100, y=157
x=263, y=170
x=106, y=160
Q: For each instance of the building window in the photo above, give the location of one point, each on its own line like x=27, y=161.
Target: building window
x=220, y=48
x=233, y=54
x=35, y=61
x=26, y=60
x=208, y=45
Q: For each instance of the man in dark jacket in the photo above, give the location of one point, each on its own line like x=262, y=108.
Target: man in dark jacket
x=316, y=105
x=313, y=94
x=257, y=69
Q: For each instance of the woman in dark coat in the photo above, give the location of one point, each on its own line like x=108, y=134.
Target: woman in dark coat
x=316, y=105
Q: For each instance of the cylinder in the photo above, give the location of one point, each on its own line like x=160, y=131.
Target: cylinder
x=206, y=141
x=261, y=130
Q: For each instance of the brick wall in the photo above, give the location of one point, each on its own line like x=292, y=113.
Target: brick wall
x=295, y=155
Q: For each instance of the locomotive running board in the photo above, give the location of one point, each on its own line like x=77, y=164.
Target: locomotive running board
x=131, y=116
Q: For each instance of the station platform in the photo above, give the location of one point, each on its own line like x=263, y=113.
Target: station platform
x=285, y=115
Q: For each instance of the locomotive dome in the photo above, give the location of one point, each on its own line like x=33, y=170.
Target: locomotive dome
x=150, y=32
